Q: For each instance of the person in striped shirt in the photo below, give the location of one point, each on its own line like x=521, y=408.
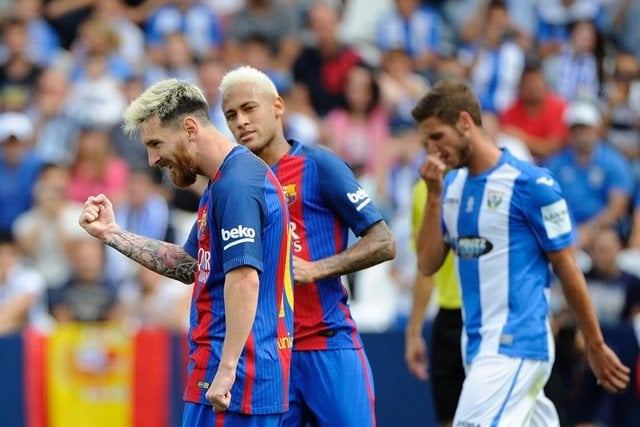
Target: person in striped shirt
x=331, y=381
x=238, y=256
x=506, y=222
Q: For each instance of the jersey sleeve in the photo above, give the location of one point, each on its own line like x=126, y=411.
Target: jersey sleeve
x=344, y=195
x=547, y=212
x=237, y=210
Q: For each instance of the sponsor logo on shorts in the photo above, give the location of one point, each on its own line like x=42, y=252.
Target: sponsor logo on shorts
x=360, y=198
x=472, y=246
x=237, y=235
x=203, y=384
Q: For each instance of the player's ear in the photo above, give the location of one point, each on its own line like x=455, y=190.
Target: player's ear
x=465, y=122
x=278, y=107
x=190, y=126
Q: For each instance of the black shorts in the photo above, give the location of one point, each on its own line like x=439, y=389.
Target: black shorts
x=446, y=369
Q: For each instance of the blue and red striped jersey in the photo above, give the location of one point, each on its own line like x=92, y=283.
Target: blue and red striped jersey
x=324, y=200
x=242, y=221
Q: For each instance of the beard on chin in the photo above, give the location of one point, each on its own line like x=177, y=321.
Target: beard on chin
x=183, y=172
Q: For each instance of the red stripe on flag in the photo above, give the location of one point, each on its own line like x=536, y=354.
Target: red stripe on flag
x=34, y=379
x=151, y=358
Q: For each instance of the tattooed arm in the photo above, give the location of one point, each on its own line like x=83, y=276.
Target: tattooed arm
x=165, y=258
x=376, y=245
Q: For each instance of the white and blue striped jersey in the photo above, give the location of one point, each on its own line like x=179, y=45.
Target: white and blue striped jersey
x=500, y=225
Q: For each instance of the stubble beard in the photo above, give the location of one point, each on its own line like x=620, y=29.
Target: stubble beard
x=184, y=172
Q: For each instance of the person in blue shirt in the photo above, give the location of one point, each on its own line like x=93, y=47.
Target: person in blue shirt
x=595, y=177
x=238, y=257
x=506, y=222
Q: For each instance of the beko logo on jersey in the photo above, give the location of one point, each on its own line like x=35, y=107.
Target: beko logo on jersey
x=360, y=197
x=237, y=235
x=472, y=246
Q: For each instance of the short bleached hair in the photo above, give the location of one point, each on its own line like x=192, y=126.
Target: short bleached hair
x=169, y=100
x=247, y=74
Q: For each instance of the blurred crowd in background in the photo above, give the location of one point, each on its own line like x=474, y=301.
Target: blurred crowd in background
x=558, y=81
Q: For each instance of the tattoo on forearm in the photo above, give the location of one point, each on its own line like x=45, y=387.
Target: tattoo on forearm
x=164, y=258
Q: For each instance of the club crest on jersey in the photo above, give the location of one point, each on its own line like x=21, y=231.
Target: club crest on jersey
x=290, y=194
x=202, y=222
x=494, y=199
x=472, y=246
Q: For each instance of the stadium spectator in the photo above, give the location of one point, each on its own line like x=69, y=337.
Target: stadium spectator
x=96, y=168
x=22, y=291
x=536, y=116
x=237, y=254
x=359, y=130
x=555, y=18
x=320, y=70
x=595, y=177
x=175, y=59
x=19, y=167
x=574, y=72
x=142, y=210
x=621, y=117
x=86, y=295
x=55, y=127
x=271, y=21
x=325, y=201
x=616, y=299
x=417, y=29
x=200, y=26
x=495, y=60
x=18, y=70
x=152, y=301
x=506, y=222
x=43, y=41
x=46, y=231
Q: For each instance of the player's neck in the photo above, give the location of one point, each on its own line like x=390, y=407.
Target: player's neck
x=484, y=157
x=274, y=151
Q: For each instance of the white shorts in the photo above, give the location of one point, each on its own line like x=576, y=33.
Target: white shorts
x=505, y=391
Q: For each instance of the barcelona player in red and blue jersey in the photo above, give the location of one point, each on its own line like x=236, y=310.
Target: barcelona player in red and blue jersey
x=238, y=255
x=331, y=381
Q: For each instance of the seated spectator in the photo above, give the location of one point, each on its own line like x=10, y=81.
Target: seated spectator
x=400, y=87
x=151, y=300
x=573, y=72
x=55, y=125
x=622, y=108
x=174, y=59
x=43, y=41
x=45, y=232
x=19, y=167
x=536, y=116
x=96, y=168
x=616, y=299
x=22, y=291
x=417, y=29
x=199, y=25
x=320, y=71
x=86, y=295
x=144, y=211
x=359, y=131
x=271, y=21
x=595, y=177
x=555, y=18
x=495, y=61
x=18, y=70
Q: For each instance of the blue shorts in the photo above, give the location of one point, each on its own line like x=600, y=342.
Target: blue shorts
x=331, y=388
x=199, y=415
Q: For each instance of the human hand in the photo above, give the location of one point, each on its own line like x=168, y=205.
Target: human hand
x=304, y=271
x=219, y=392
x=610, y=373
x=415, y=356
x=97, y=216
x=432, y=170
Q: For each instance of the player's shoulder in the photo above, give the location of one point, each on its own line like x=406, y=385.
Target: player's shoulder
x=320, y=155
